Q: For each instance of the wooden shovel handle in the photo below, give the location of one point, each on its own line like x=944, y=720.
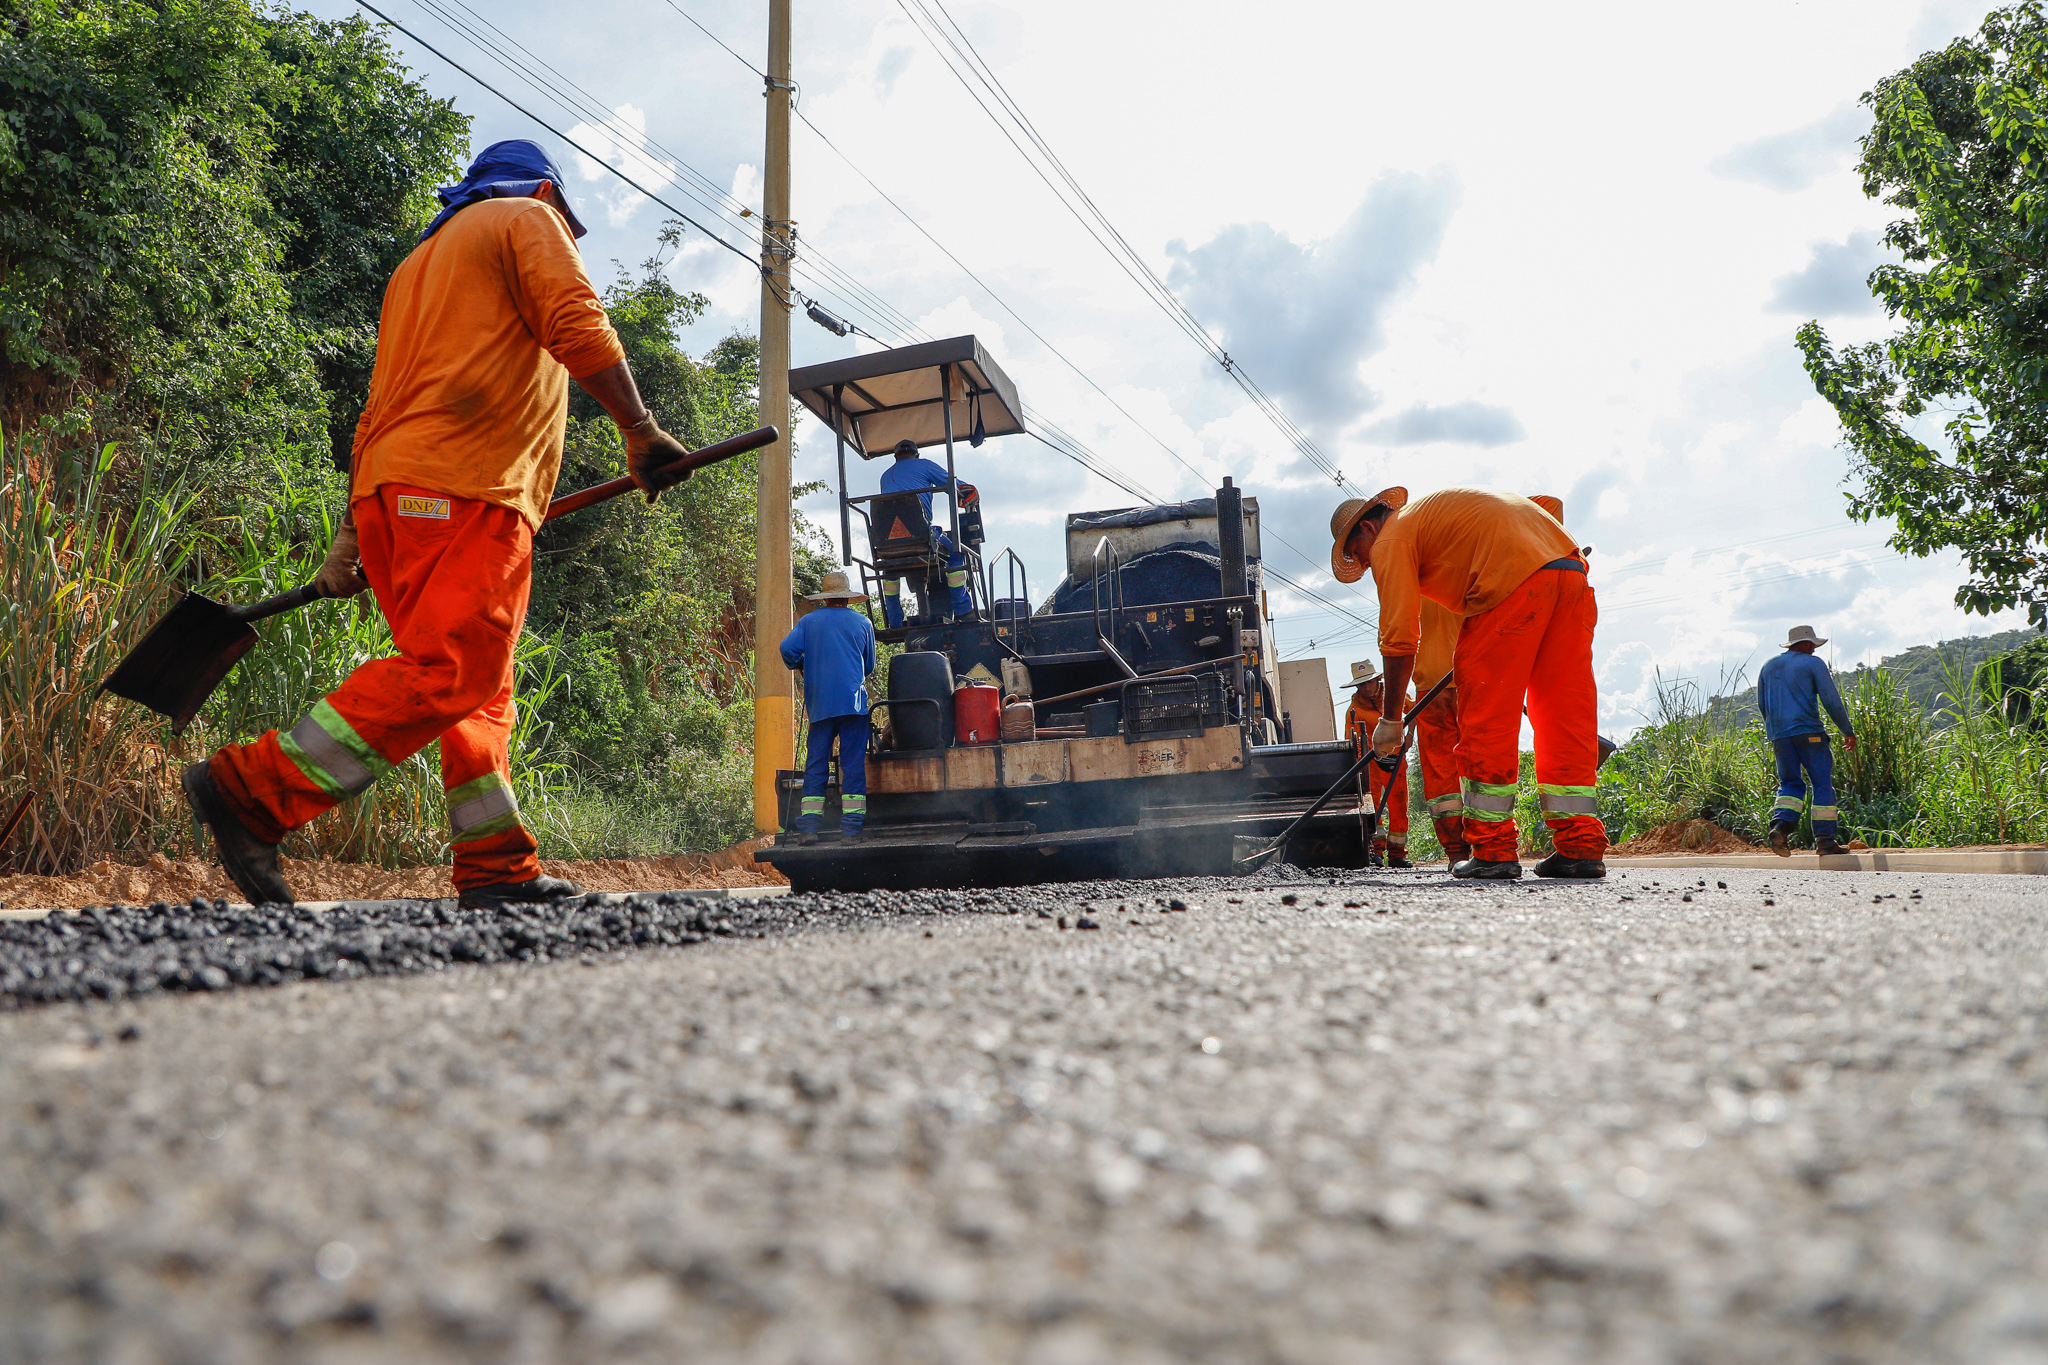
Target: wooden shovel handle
x=571, y=502
x=695, y=460
x=283, y=602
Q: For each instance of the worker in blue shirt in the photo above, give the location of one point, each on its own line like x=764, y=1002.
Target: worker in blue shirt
x=1790, y=690
x=910, y=474
x=834, y=648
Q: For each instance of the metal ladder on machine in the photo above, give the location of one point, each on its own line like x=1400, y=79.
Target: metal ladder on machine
x=1105, y=560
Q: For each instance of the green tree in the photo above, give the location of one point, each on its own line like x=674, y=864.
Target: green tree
x=204, y=201
x=1947, y=419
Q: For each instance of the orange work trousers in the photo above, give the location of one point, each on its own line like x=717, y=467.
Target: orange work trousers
x=1534, y=649
x=1393, y=831
x=1436, y=736
x=452, y=576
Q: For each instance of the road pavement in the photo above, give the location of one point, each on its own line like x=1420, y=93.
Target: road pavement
x=1798, y=1117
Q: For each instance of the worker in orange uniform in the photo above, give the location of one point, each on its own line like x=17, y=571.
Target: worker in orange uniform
x=455, y=457
x=1517, y=580
x=1390, y=841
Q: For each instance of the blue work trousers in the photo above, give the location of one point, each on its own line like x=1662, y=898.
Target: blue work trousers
x=852, y=734
x=956, y=581
x=1816, y=756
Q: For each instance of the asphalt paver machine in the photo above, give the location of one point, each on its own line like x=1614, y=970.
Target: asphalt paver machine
x=1125, y=726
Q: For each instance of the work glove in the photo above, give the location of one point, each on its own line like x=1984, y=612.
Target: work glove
x=651, y=454
x=341, y=575
x=1387, y=737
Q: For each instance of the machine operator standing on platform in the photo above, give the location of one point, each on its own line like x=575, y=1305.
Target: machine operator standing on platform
x=911, y=473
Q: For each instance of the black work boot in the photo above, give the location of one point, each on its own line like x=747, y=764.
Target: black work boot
x=1781, y=840
x=1827, y=848
x=251, y=863
x=1488, y=870
x=1398, y=860
x=1373, y=859
x=1560, y=865
x=536, y=891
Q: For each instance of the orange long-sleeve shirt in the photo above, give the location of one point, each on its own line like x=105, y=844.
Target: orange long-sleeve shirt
x=482, y=327
x=1465, y=549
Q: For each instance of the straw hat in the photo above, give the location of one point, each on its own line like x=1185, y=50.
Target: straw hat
x=1348, y=515
x=1802, y=635
x=1363, y=672
x=836, y=588
x=1554, y=506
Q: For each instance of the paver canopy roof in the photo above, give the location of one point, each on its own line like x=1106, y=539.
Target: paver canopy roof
x=894, y=395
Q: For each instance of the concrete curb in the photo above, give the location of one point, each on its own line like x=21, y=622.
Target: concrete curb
x=610, y=898
x=2012, y=861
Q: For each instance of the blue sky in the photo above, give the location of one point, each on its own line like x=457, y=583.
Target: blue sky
x=1554, y=249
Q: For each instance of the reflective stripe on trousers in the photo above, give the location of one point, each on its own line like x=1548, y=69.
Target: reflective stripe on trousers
x=327, y=749
x=1489, y=801
x=481, y=808
x=1560, y=800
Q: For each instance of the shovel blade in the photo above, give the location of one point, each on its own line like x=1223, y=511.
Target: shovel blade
x=174, y=668
x=1249, y=854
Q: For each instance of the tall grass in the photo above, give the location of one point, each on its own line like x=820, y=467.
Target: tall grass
x=82, y=572
x=1689, y=764
x=1985, y=781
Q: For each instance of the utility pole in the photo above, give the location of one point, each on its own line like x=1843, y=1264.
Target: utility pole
x=774, y=697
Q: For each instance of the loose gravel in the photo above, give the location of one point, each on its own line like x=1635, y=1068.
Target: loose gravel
x=111, y=952
x=1377, y=1118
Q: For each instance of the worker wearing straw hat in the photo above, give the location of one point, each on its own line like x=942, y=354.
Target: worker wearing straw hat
x=834, y=648
x=1517, y=580
x=1367, y=701
x=1790, y=691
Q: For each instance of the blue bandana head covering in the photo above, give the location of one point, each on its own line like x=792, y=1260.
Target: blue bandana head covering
x=505, y=170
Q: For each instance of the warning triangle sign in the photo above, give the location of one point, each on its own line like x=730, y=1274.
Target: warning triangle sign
x=899, y=531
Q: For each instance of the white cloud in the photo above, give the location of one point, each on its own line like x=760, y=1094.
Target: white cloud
x=621, y=142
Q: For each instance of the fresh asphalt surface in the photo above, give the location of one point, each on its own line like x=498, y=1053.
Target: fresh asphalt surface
x=1397, y=1120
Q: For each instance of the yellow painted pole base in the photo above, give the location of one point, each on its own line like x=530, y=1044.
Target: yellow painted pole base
x=774, y=750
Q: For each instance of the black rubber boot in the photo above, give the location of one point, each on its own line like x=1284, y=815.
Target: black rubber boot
x=538, y=891
x=1827, y=848
x=1373, y=859
x=1488, y=870
x=1398, y=860
x=1558, y=865
x=1781, y=841
x=251, y=864
x=802, y=838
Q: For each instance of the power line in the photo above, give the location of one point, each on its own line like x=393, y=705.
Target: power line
x=559, y=133
x=818, y=271
x=1108, y=237
x=1093, y=463
x=592, y=110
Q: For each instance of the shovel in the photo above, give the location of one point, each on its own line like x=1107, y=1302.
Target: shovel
x=1251, y=862
x=174, y=668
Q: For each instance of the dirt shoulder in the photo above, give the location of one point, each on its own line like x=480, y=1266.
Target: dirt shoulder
x=161, y=879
